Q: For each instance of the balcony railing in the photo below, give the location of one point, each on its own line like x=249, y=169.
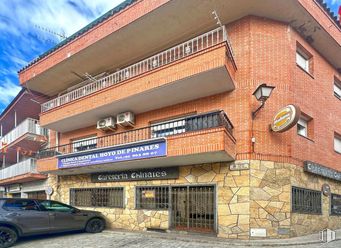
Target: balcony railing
x=166, y=57
x=27, y=126
x=23, y=167
x=179, y=126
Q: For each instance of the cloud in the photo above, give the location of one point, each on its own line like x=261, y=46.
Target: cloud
x=62, y=16
x=8, y=91
x=22, y=35
x=336, y=2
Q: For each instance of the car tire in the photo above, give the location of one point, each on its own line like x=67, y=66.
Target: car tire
x=95, y=225
x=8, y=237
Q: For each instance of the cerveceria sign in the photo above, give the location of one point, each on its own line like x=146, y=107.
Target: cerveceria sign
x=322, y=170
x=137, y=175
x=285, y=118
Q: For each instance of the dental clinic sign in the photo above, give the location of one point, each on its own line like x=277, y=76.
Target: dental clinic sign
x=144, y=150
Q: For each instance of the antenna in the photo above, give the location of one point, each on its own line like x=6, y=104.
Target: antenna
x=216, y=17
x=91, y=78
x=61, y=36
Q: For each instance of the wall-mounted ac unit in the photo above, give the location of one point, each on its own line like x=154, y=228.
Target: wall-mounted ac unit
x=107, y=124
x=126, y=119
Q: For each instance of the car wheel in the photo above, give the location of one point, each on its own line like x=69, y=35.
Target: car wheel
x=95, y=226
x=8, y=237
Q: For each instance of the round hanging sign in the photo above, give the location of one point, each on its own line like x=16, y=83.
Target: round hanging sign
x=49, y=190
x=326, y=189
x=285, y=118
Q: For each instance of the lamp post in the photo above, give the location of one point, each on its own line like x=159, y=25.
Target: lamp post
x=262, y=93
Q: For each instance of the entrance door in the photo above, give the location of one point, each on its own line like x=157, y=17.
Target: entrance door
x=193, y=208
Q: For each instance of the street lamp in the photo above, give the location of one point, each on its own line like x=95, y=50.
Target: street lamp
x=262, y=93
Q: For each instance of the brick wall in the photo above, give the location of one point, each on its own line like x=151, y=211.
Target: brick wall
x=265, y=53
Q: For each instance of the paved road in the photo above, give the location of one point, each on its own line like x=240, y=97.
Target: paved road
x=131, y=240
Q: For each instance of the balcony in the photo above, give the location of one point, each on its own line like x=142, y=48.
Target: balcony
x=204, y=63
x=197, y=139
x=28, y=134
x=24, y=171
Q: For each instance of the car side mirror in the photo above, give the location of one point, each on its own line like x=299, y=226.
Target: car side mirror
x=75, y=210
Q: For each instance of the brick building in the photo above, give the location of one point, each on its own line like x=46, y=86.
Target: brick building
x=150, y=107
x=21, y=138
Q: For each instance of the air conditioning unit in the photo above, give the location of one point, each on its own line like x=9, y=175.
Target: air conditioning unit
x=107, y=124
x=126, y=119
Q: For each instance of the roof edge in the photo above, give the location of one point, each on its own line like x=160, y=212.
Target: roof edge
x=85, y=29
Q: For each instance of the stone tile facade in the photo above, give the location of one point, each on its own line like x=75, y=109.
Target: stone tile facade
x=258, y=197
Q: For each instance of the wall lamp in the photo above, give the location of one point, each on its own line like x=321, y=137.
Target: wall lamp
x=262, y=93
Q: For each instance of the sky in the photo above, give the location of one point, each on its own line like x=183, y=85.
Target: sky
x=23, y=35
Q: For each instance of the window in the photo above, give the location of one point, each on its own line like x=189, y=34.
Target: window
x=335, y=206
x=97, y=197
x=186, y=124
x=337, y=143
x=303, y=59
x=306, y=201
x=305, y=126
x=163, y=129
x=337, y=89
x=302, y=127
x=84, y=144
x=20, y=204
x=56, y=206
x=152, y=197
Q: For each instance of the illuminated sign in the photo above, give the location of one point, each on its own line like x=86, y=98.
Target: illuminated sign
x=150, y=149
x=285, y=118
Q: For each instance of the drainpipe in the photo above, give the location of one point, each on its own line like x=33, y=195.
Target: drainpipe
x=15, y=118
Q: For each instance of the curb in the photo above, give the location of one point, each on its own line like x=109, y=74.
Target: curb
x=215, y=240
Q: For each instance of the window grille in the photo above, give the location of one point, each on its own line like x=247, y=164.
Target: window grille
x=306, y=201
x=152, y=197
x=335, y=205
x=97, y=197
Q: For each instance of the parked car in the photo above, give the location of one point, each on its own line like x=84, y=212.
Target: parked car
x=24, y=217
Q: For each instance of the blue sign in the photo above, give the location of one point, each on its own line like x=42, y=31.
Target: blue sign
x=151, y=149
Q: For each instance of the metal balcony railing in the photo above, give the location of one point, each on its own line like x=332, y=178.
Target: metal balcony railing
x=179, y=126
x=27, y=126
x=166, y=57
x=23, y=167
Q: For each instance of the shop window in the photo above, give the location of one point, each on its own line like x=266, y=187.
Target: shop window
x=337, y=143
x=335, y=205
x=305, y=126
x=84, y=144
x=306, y=201
x=337, y=88
x=304, y=59
x=97, y=197
x=152, y=197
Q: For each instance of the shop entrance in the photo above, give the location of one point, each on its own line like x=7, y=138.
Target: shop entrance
x=39, y=195
x=193, y=208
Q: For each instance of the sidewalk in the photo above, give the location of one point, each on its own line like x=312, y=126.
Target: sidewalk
x=303, y=240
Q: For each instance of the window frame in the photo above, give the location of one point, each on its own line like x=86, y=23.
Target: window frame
x=141, y=206
x=305, y=55
x=294, y=208
x=331, y=212
x=337, y=87
x=72, y=193
x=337, y=137
x=304, y=123
x=84, y=139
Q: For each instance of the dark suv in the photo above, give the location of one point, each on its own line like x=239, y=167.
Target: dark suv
x=24, y=217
